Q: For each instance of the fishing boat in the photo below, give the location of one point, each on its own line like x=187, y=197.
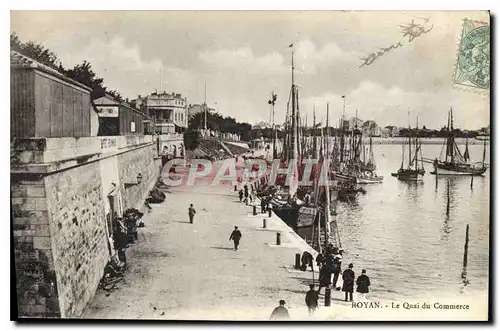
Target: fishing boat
x=286, y=205
x=317, y=222
x=456, y=163
x=352, y=166
x=368, y=162
x=414, y=170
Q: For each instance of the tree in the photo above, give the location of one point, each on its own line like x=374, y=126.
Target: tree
x=35, y=51
x=192, y=139
x=82, y=73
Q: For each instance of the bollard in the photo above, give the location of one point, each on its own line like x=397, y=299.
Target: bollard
x=264, y=223
x=254, y=209
x=297, y=261
x=278, y=239
x=235, y=189
x=269, y=211
x=328, y=295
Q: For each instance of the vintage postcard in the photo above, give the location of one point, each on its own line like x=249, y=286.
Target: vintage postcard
x=250, y=165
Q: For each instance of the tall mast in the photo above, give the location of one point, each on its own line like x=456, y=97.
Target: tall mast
x=315, y=152
x=417, y=146
x=205, y=105
x=294, y=183
x=409, y=141
x=294, y=119
x=448, y=148
x=452, y=141
x=327, y=130
x=328, y=215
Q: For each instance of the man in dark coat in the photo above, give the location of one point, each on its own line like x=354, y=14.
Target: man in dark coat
x=235, y=236
x=312, y=299
x=262, y=205
x=246, y=193
x=324, y=277
x=191, y=212
x=363, y=283
x=240, y=193
x=348, y=286
x=280, y=312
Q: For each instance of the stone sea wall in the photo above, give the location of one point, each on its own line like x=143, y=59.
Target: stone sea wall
x=60, y=205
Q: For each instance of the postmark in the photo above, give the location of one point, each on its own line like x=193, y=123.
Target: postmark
x=472, y=68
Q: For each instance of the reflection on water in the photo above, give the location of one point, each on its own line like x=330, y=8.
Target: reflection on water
x=400, y=232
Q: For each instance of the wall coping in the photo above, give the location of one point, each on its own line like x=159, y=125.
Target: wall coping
x=47, y=155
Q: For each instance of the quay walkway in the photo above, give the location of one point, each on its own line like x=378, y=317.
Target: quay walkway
x=182, y=271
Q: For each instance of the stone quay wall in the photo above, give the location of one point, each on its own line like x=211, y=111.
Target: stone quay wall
x=60, y=212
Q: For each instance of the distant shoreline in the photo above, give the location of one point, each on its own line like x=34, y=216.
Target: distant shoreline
x=424, y=141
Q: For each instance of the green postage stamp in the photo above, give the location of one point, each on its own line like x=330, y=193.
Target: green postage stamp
x=472, y=69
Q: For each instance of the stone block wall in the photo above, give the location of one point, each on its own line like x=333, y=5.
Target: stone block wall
x=61, y=242
x=78, y=236
x=140, y=161
x=36, y=281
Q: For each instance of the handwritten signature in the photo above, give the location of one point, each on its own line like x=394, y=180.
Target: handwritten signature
x=411, y=30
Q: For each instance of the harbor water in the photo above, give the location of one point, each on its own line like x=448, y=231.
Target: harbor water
x=400, y=232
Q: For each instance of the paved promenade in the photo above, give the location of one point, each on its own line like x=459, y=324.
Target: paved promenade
x=179, y=270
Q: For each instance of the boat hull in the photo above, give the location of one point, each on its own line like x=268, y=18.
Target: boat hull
x=411, y=178
x=459, y=171
x=288, y=214
x=360, y=180
x=409, y=175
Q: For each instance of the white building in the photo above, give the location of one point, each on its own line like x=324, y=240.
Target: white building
x=168, y=111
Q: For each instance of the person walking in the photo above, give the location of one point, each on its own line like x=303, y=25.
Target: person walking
x=235, y=237
x=363, y=282
x=312, y=299
x=240, y=193
x=348, y=286
x=246, y=194
x=280, y=312
x=263, y=205
x=191, y=213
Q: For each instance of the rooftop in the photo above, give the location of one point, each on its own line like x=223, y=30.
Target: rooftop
x=18, y=60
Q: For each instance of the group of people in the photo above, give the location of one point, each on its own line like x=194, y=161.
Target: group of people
x=249, y=196
x=331, y=264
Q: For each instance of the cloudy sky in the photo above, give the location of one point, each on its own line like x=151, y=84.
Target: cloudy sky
x=242, y=56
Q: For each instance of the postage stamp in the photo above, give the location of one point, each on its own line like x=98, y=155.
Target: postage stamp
x=472, y=69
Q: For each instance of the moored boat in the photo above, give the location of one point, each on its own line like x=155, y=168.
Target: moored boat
x=414, y=171
x=455, y=163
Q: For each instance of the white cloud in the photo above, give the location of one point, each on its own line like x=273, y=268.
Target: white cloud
x=390, y=106
x=243, y=59
x=123, y=68
x=310, y=58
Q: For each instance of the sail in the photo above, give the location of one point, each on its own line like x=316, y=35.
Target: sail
x=466, y=153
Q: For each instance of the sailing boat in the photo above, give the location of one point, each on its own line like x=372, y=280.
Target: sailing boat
x=286, y=204
x=368, y=162
x=320, y=214
x=353, y=168
x=414, y=171
x=455, y=163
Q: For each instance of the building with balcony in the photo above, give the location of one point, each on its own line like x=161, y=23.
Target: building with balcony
x=168, y=111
